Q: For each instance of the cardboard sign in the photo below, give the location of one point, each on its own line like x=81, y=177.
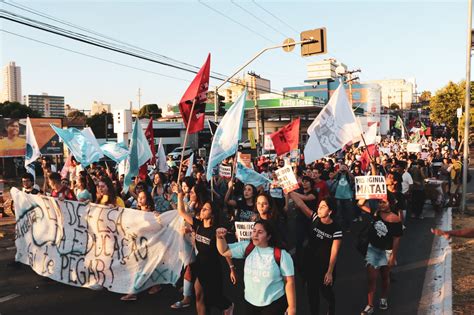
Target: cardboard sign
x=225, y=171
x=414, y=147
x=243, y=230
x=287, y=179
x=370, y=187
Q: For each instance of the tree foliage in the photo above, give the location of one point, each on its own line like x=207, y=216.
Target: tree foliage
x=76, y=114
x=425, y=96
x=98, y=124
x=150, y=110
x=17, y=110
x=446, y=101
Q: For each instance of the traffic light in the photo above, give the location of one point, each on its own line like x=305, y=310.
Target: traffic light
x=220, y=105
x=318, y=46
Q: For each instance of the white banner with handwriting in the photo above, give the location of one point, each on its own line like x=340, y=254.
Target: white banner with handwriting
x=94, y=246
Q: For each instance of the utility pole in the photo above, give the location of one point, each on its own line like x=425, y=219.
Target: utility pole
x=139, y=98
x=401, y=104
x=255, y=103
x=467, y=109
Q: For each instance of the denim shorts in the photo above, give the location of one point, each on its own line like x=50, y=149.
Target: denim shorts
x=377, y=257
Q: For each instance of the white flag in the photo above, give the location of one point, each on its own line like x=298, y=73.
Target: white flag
x=334, y=127
x=32, y=149
x=370, y=136
x=162, y=165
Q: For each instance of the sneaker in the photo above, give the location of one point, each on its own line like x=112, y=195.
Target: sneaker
x=230, y=310
x=383, y=304
x=368, y=310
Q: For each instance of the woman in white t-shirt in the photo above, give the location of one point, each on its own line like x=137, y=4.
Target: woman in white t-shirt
x=268, y=271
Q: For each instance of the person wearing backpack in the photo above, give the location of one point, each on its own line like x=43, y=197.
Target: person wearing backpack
x=321, y=253
x=269, y=274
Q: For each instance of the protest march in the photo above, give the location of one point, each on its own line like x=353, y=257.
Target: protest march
x=143, y=223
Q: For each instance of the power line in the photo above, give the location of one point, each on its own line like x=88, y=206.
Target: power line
x=276, y=17
x=94, y=57
x=257, y=18
x=61, y=32
x=235, y=21
x=134, y=47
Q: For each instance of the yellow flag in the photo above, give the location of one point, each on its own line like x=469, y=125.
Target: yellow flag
x=253, y=144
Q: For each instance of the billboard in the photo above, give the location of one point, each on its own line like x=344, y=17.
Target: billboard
x=13, y=136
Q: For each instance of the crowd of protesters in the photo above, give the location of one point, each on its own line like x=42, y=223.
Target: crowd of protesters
x=324, y=206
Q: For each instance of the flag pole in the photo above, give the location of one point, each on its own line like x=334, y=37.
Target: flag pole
x=185, y=139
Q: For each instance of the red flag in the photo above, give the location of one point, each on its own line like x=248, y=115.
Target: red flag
x=365, y=158
x=197, y=90
x=287, y=138
x=151, y=142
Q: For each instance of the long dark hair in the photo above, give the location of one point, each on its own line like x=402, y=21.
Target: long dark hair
x=271, y=230
x=149, y=200
x=111, y=189
x=273, y=209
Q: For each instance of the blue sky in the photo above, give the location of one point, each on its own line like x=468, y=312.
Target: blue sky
x=385, y=39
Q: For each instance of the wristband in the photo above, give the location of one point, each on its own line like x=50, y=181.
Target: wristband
x=231, y=266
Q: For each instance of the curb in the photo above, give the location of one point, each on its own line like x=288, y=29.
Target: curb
x=437, y=295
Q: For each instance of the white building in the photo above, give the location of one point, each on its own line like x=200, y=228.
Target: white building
x=324, y=69
x=11, y=83
x=99, y=107
x=254, y=83
x=397, y=91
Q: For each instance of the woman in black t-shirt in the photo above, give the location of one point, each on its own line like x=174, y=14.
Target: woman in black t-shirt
x=244, y=205
x=384, y=240
x=206, y=269
x=321, y=253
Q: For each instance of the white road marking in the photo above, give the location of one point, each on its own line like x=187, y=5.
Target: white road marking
x=9, y=297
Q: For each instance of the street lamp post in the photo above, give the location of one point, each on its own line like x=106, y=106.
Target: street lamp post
x=467, y=110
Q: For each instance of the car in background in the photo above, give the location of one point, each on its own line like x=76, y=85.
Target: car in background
x=246, y=145
x=176, y=153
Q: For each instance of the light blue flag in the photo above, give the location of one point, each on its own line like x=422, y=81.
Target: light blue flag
x=115, y=151
x=228, y=134
x=140, y=153
x=249, y=176
x=80, y=144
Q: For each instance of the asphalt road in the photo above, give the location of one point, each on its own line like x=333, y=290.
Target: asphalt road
x=22, y=291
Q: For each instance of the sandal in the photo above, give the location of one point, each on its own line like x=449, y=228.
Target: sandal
x=129, y=297
x=180, y=304
x=155, y=289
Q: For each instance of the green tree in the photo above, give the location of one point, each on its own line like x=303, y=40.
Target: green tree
x=446, y=101
x=76, y=114
x=17, y=110
x=99, y=124
x=150, y=110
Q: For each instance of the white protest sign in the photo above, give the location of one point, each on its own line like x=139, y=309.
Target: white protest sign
x=370, y=187
x=225, y=171
x=268, y=143
x=384, y=150
x=94, y=246
x=414, y=147
x=243, y=230
x=287, y=179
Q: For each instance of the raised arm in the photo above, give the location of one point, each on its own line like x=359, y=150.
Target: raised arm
x=187, y=217
x=300, y=204
x=221, y=243
x=227, y=199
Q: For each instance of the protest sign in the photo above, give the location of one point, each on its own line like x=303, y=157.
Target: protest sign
x=370, y=187
x=245, y=160
x=414, y=147
x=95, y=246
x=384, y=150
x=295, y=156
x=287, y=179
x=243, y=230
x=225, y=171
x=268, y=143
